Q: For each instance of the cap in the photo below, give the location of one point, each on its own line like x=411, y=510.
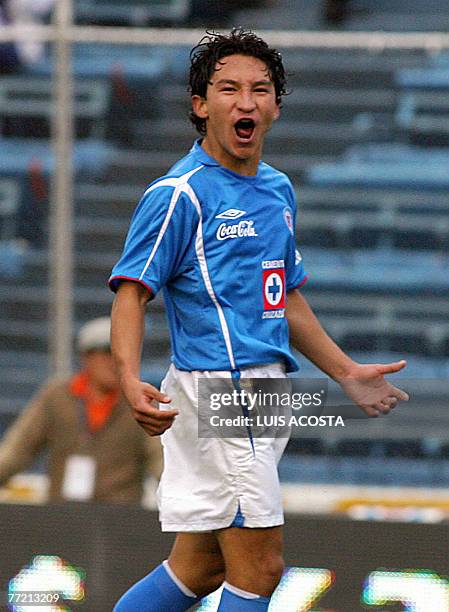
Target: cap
x=95, y=334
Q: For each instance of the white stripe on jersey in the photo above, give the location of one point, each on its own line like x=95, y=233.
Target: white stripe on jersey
x=199, y=247
x=177, y=183
x=181, y=185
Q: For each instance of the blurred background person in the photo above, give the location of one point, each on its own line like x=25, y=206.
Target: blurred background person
x=96, y=452
x=26, y=13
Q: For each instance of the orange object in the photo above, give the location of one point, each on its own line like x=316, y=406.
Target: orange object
x=98, y=409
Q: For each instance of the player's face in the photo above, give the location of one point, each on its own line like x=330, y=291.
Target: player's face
x=239, y=108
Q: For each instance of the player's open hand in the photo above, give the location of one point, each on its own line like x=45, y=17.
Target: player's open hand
x=144, y=400
x=367, y=387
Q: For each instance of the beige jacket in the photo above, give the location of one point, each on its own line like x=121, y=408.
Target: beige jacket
x=54, y=420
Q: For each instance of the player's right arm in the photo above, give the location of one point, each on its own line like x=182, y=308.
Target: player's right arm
x=127, y=333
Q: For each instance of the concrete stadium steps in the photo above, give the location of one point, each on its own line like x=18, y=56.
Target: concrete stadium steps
x=334, y=105
x=359, y=229
x=23, y=335
x=378, y=271
x=22, y=372
x=26, y=335
x=343, y=70
x=104, y=201
x=303, y=103
x=384, y=305
x=369, y=15
x=405, y=20
x=355, y=217
x=329, y=89
x=383, y=321
x=404, y=336
x=312, y=139
x=18, y=385
x=332, y=218
x=376, y=472
x=22, y=303
x=144, y=167
x=118, y=202
x=360, y=199
x=94, y=269
x=107, y=234
x=140, y=167
x=23, y=360
x=400, y=7
x=423, y=416
x=323, y=68
x=91, y=270
x=317, y=117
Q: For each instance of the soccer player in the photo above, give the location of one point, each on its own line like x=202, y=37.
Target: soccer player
x=217, y=235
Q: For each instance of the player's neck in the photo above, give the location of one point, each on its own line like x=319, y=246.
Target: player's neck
x=245, y=167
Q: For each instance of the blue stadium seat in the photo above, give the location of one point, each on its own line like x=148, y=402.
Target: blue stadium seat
x=306, y=446
x=134, y=12
x=12, y=258
x=90, y=157
x=30, y=162
x=139, y=63
x=380, y=174
x=26, y=106
x=423, y=78
x=376, y=271
x=413, y=449
x=441, y=58
x=9, y=205
x=398, y=153
x=363, y=470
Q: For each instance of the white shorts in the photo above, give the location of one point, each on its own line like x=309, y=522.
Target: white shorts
x=212, y=483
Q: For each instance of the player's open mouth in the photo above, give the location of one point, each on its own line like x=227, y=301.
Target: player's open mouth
x=244, y=128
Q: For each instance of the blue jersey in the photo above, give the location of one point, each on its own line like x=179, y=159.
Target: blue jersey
x=222, y=247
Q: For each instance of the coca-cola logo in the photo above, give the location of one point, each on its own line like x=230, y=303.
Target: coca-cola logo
x=243, y=229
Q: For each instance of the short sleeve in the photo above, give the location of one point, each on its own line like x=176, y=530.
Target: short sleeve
x=161, y=232
x=295, y=272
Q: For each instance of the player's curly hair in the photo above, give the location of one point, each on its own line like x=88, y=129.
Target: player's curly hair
x=214, y=46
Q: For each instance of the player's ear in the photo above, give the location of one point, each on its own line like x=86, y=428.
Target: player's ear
x=277, y=112
x=199, y=107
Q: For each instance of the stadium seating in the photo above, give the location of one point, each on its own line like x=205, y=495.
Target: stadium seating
x=372, y=221
x=424, y=78
x=26, y=106
x=134, y=12
x=23, y=158
x=382, y=174
x=9, y=204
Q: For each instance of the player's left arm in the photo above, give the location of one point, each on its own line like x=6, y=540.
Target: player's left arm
x=363, y=383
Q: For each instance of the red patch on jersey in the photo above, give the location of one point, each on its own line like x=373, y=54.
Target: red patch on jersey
x=273, y=289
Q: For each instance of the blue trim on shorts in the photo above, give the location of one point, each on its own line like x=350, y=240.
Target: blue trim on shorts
x=239, y=519
x=235, y=374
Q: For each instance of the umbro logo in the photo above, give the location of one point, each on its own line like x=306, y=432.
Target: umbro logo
x=231, y=213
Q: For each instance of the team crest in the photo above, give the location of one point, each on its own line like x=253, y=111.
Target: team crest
x=273, y=283
x=288, y=218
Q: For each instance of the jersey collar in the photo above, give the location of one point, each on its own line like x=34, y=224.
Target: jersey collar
x=201, y=154
x=207, y=160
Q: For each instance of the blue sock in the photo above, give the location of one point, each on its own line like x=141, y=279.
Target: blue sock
x=160, y=591
x=234, y=600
